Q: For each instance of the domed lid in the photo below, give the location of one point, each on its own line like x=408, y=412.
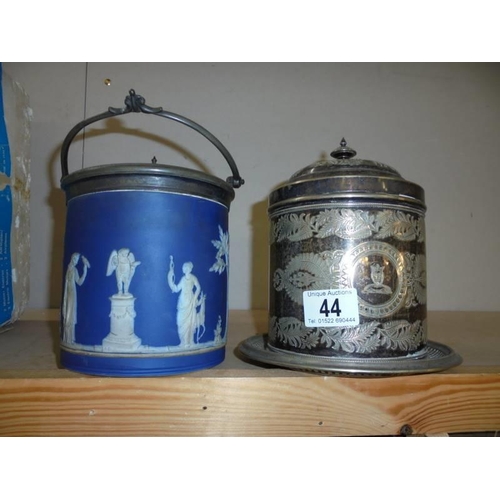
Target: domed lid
x=346, y=177
x=345, y=164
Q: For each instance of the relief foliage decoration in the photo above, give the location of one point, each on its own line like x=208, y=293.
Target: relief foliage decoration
x=417, y=279
x=363, y=339
x=308, y=271
x=348, y=224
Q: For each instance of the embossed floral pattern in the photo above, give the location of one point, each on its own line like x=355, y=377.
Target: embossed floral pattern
x=310, y=271
x=348, y=224
x=417, y=279
x=400, y=225
x=305, y=272
x=345, y=223
x=362, y=339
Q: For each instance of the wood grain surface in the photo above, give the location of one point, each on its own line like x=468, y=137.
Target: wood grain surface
x=237, y=398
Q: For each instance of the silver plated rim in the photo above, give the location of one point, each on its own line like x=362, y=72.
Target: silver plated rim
x=434, y=357
x=147, y=177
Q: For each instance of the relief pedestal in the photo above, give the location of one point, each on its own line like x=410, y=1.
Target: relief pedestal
x=121, y=336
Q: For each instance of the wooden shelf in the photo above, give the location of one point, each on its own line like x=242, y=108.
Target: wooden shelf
x=38, y=398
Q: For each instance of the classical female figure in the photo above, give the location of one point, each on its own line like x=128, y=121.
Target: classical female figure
x=69, y=308
x=190, y=320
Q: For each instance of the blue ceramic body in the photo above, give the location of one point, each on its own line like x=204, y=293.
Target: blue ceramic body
x=145, y=283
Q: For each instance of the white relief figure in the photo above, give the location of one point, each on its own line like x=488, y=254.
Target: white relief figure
x=200, y=319
x=377, y=276
x=123, y=263
x=69, y=307
x=190, y=319
x=122, y=337
x=222, y=255
x=218, y=332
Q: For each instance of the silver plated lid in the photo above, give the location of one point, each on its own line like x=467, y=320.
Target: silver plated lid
x=346, y=177
x=147, y=177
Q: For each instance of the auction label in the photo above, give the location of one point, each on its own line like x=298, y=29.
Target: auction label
x=331, y=308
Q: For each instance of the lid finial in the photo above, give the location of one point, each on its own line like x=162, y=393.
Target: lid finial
x=343, y=152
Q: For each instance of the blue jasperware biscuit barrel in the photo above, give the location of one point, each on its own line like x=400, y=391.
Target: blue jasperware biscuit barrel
x=146, y=256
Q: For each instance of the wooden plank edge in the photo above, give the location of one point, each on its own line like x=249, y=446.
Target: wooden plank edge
x=63, y=373
x=250, y=406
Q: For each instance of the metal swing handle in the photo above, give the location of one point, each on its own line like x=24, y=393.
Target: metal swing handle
x=135, y=103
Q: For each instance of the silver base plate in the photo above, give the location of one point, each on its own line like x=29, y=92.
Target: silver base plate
x=434, y=357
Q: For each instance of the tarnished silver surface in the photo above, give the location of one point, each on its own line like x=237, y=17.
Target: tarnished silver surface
x=344, y=177
x=391, y=292
x=348, y=223
x=345, y=269
x=147, y=177
x=364, y=338
x=352, y=227
x=434, y=357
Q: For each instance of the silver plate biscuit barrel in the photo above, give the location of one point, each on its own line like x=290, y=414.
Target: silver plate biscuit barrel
x=348, y=290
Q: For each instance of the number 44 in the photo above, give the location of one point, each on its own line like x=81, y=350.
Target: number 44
x=326, y=310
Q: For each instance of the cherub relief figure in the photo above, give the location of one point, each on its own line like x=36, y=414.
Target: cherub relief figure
x=123, y=263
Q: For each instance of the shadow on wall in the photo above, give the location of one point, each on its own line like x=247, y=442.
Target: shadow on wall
x=260, y=256
x=57, y=202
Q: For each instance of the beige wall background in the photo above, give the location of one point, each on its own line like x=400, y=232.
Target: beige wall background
x=437, y=124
